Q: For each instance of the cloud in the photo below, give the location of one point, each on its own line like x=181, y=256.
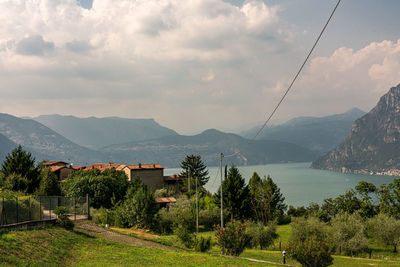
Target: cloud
x=348, y=78
x=34, y=46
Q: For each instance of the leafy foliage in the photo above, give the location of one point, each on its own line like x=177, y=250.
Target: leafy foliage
x=20, y=162
x=303, y=229
x=267, y=202
x=194, y=168
x=203, y=244
x=235, y=195
x=348, y=233
x=261, y=235
x=232, y=239
x=385, y=229
x=138, y=208
x=311, y=252
x=62, y=218
x=103, y=188
x=49, y=184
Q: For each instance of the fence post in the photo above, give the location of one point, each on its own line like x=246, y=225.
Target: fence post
x=74, y=208
x=29, y=200
x=40, y=207
x=50, y=207
x=88, y=206
x=3, y=217
x=16, y=202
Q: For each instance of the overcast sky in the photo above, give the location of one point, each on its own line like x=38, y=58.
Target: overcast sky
x=195, y=64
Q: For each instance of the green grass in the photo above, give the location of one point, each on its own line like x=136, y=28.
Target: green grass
x=55, y=247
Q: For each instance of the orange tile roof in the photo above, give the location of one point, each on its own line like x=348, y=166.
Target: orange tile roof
x=145, y=166
x=102, y=166
x=77, y=168
x=166, y=200
x=56, y=168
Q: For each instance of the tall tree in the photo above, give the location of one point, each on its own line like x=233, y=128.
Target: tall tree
x=385, y=229
x=193, y=167
x=49, y=184
x=267, y=202
x=235, y=195
x=389, y=198
x=20, y=162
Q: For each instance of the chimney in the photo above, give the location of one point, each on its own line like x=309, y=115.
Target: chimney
x=140, y=165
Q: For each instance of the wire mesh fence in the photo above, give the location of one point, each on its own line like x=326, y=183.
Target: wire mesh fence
x=25, y=209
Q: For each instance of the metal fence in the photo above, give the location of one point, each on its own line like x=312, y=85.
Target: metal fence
x=25, y=209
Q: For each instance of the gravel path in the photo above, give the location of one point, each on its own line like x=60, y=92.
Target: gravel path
x=92, y=229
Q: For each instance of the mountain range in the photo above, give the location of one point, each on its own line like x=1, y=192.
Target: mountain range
x=85, y=141
x=95, y=132
x=373, y=145
x=320, y=134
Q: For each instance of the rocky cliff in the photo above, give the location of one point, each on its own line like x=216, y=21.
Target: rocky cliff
x=373, y=145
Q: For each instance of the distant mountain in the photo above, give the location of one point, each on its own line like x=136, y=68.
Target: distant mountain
x=44, y=143
x=373, y=145
x=6, y=146
x=316, y=133
x=171, y=150
x=99, y=132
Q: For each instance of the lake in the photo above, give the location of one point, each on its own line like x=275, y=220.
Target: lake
x=299, y=184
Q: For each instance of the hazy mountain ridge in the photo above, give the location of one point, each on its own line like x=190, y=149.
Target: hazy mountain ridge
x=6, y=146
x=373, y=145
x=316, y=133
x=171, y=150
x=44, y=143
x=95, y=132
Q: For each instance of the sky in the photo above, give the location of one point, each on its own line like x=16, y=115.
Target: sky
x=196, y=64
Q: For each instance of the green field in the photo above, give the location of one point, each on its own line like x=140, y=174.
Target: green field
x=55, y=246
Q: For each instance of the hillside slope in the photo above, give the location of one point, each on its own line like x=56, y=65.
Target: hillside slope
x=373, y=145
x=316, y=133
x=171, y=150
x=95, y=132
x=6, y=146
x=44, y=143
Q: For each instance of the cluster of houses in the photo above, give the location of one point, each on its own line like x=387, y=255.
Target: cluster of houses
x=151, y=175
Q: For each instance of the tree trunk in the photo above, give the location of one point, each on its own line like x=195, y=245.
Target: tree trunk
x=395, y=249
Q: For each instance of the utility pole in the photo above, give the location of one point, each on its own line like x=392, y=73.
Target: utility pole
x=188, y=177
x=222, y=205
x=197, y=211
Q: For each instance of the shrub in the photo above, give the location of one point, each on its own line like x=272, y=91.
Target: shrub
x=209, y=218
x=348, y=234
x=233, y=238
x=306, y=228
x=203, y=244
x=49, y=184
x=311, y=252
x=261, y=236
x=62, y=218
x=100, y=216
x=165, y=221
x=184, y=235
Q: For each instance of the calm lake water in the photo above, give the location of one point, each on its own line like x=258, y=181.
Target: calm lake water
x=299, y=184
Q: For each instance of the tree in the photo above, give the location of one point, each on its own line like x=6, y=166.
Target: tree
x=348, y=233
x=366, y=191
x=193, y=167
x=309, y=242
x=265, y=198
x=385, y=229
x=104, y=188
x=138, y=209
x=49, y=184
x=21, y=162
x=389, y=198
x=235, y=195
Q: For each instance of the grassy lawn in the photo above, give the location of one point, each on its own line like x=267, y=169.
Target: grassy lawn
x=55, y=247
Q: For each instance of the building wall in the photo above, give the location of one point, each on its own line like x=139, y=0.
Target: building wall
x=154, y=179
x=64, y=172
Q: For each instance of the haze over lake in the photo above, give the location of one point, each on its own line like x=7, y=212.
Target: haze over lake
x=299, y=184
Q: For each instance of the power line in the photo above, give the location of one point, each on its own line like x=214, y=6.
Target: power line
x=298, y=73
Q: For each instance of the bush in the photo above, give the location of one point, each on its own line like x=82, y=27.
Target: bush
x=261, y=236
x=203, y=244
x=209, y=218
x=233, y=238
x=311, y=252
x=165, y=221
x=49, y=184
x=62, y=218
x=99, y=216
x=303, y=229
x=184, y=235
x=348, y=234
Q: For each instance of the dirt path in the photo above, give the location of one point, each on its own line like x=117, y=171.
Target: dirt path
x=92, y=229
